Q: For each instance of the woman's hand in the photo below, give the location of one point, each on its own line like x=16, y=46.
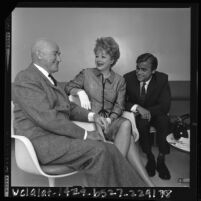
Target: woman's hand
x=84, y=100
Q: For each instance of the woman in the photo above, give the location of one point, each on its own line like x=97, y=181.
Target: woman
x=102, y=90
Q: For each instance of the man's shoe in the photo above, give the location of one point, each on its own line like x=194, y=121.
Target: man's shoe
x=162, y=169
x=151, y=166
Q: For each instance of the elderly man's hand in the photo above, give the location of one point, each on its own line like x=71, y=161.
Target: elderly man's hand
x=101, y=121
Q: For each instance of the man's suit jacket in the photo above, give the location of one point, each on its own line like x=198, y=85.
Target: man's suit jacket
x=43, y=113
x=158, y=96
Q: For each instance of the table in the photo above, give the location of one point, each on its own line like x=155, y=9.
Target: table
x=182, y=144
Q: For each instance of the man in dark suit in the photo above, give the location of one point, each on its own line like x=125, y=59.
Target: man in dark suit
x=148, y=97
x=44, y=114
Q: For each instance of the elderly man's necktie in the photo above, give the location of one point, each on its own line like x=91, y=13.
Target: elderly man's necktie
x=143, y=93
x=53, y=79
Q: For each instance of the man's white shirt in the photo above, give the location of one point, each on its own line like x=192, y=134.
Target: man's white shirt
x=134, y=107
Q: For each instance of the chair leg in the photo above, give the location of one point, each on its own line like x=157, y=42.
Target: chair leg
x=51, y=182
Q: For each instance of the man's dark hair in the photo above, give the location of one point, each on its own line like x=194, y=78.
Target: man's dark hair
x=148, y=57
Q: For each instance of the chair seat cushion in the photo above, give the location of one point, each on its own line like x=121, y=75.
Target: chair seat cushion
x=56, y=169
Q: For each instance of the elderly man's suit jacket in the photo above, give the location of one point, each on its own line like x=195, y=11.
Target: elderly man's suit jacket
x=158, y=96
x=43, y=113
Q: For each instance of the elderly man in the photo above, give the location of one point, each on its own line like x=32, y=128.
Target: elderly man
x=43, y=113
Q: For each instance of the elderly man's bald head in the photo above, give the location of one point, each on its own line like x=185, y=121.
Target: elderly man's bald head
x=42, y=45
x=46, y=54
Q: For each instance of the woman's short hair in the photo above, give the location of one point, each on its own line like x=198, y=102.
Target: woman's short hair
x=148, y=57
x=110, y=46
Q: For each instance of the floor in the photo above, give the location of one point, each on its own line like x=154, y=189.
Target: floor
x=177, y=162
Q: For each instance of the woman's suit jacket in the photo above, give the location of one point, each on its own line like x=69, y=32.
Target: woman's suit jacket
x=158, y=96
x=43, y=113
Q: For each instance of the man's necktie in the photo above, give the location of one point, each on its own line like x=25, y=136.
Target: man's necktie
x=143, y=93
x=53, y=79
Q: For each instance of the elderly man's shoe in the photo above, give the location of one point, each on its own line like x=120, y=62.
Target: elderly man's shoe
x=162, y=169
x=151, y=166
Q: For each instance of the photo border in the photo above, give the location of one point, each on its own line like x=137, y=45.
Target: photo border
x=177, y=193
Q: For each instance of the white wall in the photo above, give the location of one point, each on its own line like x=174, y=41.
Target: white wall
x=165, y=32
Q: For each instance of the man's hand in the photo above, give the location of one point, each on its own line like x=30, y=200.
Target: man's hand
x=145, y=114
x=101, y=121
x=95, y=135
x=84, y=100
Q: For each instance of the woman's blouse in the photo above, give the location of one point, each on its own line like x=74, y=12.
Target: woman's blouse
x=112, y=90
